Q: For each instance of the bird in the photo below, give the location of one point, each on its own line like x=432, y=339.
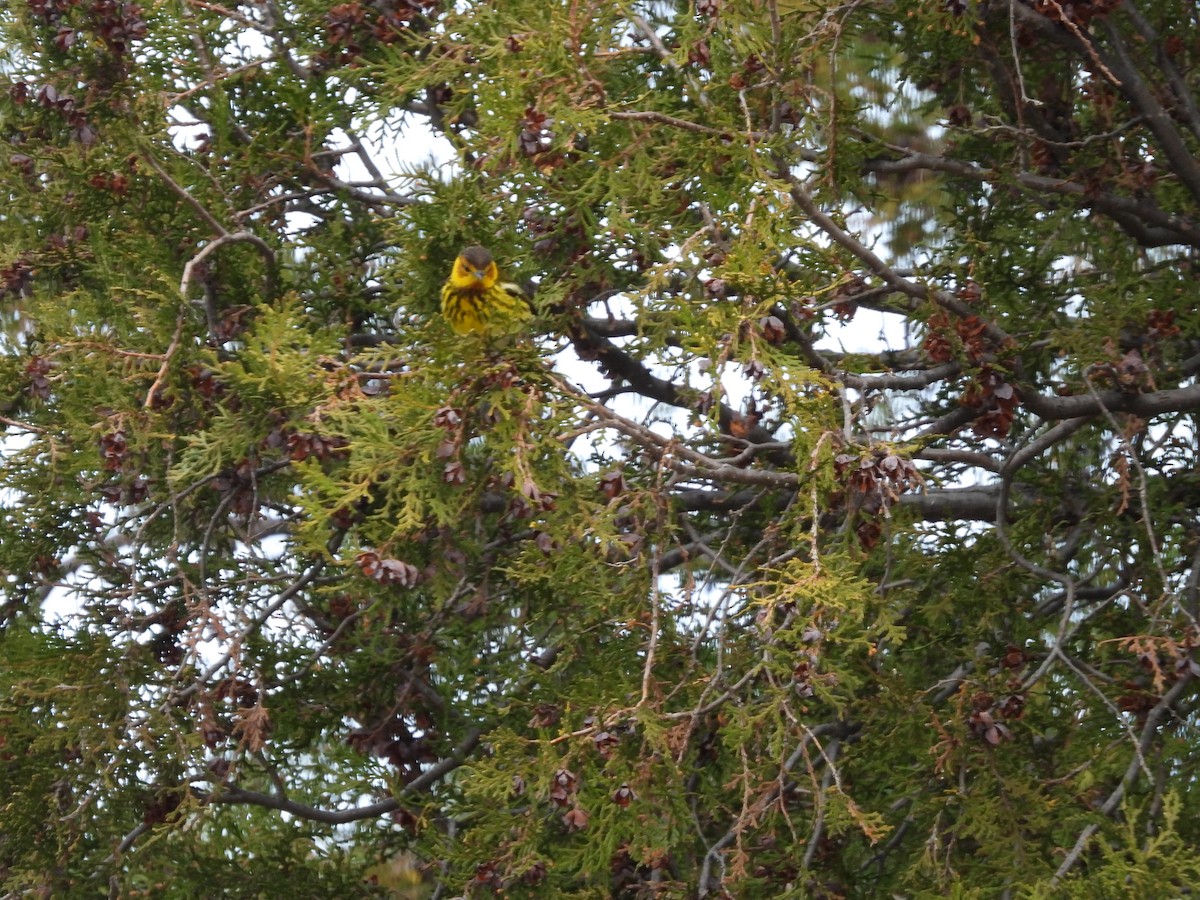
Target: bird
x=475, y=300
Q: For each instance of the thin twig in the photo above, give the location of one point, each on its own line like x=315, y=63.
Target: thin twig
x=186, y=196
x=172, y=347
x=237, y=237
x=1114, y=798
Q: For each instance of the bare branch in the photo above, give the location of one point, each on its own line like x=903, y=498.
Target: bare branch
x=231, y=794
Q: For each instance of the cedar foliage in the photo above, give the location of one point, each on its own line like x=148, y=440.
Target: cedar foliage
x=674, y=595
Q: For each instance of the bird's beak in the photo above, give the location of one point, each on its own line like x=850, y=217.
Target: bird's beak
x=478, y=273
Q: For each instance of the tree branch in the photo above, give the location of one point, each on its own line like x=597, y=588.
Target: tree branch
x=435, y=773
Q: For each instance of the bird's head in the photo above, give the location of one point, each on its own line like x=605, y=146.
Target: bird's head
x=474, y=270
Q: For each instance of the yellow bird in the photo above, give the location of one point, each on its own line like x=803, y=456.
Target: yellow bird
x=474, y=299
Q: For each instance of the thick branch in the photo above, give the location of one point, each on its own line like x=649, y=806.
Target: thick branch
x=1141, y=218
x=1130, y=84
x=1145, y=405
x=428, y=778
x=953, y=504
x=617, y=363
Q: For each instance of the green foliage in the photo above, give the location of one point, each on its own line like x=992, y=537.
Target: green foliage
x=830, y=532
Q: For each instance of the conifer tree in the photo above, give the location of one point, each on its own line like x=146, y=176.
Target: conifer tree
x=829, y=530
